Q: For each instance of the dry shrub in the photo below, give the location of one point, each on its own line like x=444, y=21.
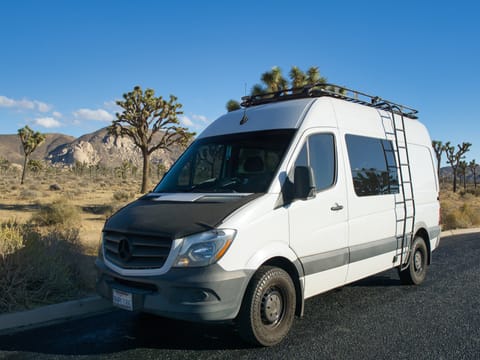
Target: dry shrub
x=73, y=194
x=59, y=213
x=28, y=194
x=11, y=239
x=37, y=269
x=462, y=217
x=122, y=195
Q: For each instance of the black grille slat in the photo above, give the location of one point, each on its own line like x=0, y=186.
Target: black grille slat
x=111, y=248
x=150, y=252
x=144, y=252
x=167, y=245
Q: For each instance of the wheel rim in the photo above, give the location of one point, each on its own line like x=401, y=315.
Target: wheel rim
x=272, y=308
x=418, y=261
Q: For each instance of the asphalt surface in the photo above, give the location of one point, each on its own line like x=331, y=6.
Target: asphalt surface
x=376, y=318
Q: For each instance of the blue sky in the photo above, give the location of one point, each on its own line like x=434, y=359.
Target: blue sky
x=63, y=63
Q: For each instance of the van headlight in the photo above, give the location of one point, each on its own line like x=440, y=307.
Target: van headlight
x=204, y=248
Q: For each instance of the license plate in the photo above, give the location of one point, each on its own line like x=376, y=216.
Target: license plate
x=122, y=299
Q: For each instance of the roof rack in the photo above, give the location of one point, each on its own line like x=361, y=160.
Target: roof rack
x=330, y=90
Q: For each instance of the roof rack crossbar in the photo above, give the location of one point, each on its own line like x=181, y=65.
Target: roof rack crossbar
x=330, y=90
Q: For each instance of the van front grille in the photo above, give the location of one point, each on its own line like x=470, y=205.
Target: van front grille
x=131, y=251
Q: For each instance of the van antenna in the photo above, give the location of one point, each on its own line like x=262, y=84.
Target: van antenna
x=244, y=118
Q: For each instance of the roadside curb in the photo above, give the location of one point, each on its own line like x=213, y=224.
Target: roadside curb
x=93, y=305
x=459, y=232
x=51, y=314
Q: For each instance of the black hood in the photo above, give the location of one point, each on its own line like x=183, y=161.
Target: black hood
x=152, y=215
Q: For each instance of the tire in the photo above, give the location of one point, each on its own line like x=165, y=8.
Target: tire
x=268, y=307
x=416, y=271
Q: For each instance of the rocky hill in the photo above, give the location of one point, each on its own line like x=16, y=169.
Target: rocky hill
x=91, y=149
x=11, y=147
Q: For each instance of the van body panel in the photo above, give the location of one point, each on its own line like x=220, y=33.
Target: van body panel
x=317, y=239
x=363, y=211
x=273, y=116
x=196, y=294
x=363, y=268
x=179, y=217
x=319, y=282
x=264, y=235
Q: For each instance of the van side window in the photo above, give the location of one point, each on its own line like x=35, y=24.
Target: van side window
x=319, y=152
x=373, y=165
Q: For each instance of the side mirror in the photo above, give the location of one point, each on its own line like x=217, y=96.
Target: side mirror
x=303, y=183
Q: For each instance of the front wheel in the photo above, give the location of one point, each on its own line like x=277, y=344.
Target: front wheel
x=268, y=307
x=416, y=271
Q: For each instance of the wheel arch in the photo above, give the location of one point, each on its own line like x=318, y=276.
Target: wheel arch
x=423, y=233
x=294, y=271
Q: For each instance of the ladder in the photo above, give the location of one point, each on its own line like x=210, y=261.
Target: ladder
x=405, y=216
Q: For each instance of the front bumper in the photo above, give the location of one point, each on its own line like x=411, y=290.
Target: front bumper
x=194, y=294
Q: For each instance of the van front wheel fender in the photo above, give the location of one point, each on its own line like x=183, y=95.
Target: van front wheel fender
x=268, y=308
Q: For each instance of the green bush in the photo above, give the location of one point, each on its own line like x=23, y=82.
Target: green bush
x=59, y=213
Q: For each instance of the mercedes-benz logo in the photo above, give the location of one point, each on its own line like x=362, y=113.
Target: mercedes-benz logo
x=124, y=250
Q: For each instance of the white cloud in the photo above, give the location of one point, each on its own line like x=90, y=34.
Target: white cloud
x=41, y=106
x=194, y=122
x=200, y=118
x=57, y=114
x=89, y=114
x=47, y=122
x=185, y=120
x=6, y=102
x=24, y=104
x=111, y=105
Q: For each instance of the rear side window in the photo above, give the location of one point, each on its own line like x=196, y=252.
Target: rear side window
x=319, y=152
x=373, y=165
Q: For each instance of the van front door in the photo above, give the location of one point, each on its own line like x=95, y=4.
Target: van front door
x=318, y=226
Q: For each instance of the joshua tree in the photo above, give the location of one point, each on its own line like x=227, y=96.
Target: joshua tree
x=273, y=80
x=145, y=115
x=30, y=141
x=473, y=168
x=232, y=105
x=462, y=165
x=454, y=158
x=439, y=148
x=297, y=77
x=4, y=165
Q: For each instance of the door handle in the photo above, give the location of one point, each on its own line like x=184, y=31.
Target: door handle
x=336, y=207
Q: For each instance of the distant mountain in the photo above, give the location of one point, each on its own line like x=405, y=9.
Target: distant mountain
x=92, y=149
x=446, y=173
x=11, y=147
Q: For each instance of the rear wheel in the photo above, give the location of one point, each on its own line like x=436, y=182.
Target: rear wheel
x=268, y=307
x=416, y=271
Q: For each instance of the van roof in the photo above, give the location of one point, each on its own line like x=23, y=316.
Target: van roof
x=281, y=115
x=286, y=109
x=329, y=90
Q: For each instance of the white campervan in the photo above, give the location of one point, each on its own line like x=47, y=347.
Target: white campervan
x=299, y=192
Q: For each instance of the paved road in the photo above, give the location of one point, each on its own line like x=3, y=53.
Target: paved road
x=376, y=318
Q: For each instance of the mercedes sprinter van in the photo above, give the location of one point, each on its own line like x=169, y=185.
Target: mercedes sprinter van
x=299, y=192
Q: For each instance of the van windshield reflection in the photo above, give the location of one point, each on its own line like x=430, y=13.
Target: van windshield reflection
x=238, y=163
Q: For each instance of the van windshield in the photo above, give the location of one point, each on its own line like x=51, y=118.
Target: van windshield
x=241, y=163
